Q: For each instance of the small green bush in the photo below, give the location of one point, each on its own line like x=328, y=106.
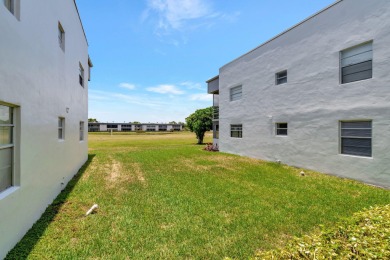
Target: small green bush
x=366, y=235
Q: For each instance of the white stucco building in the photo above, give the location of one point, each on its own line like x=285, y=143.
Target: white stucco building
x=315, y=96
x=44, y=72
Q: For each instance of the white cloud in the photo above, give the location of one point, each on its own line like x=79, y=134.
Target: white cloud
x=174, y=13
x=166, y=89
x=127, y=86
x=202, y=97
x=112, y=106
x=192, y=85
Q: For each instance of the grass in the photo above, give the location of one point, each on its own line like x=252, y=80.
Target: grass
x=162, y=196
x=365, y=235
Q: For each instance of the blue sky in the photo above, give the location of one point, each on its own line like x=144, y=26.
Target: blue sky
x=152, y=57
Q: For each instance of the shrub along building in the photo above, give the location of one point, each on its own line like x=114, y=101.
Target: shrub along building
x=44, y=73
x=315, y=96
x=130, y=127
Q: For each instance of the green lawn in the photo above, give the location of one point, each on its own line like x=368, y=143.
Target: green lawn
x=162, y=196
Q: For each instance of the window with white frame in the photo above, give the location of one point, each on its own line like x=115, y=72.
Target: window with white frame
x=81, y=131
x=81, y=75
x=356, y=138
x=61, y=36
x=236, y=131
x=6, y=147
x=281, y=77
x=356, y=63
x=61, y=128
x=236, y=93
x=281, y=128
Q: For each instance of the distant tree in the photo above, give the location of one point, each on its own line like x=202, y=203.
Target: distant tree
x=92, y=120
x=173, y=123
x=200, y=122
x=136, y=122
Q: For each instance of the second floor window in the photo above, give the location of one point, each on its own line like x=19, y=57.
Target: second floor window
x=356, y=63
x=81, y=75
x=281, y=77
x=236, y=93
x=61, y=36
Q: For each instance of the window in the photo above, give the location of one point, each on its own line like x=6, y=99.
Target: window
x=61, y=36
x=13, y=7
x=216, y=131
x=81, y=75
x=81, y=131
x=162, y=128
x=236, y=131
x=356, y=138
x=126, y=128
x=10, y=4
x=281, y=77
x=6, y=147
x=356, y=63
x=281, y=128
x=235, y=93
x=151, y=128
x=61, y=128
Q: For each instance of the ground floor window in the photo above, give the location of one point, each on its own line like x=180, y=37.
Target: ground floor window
x=216, y=131
x=6, y=147
x=81, y=131
x=236, y=131
x=356, y=138
x=150, y=128
x=61, y=128
x=281, y=128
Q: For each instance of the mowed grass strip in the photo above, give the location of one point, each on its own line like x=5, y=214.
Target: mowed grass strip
x=162, y=196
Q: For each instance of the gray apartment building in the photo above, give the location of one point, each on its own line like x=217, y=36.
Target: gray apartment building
x=315, y=96
x=131, y=127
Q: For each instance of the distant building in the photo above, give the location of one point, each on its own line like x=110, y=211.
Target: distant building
x=44, y=73
x=130, y=127
x=315, y=96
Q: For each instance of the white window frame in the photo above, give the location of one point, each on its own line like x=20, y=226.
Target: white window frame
x=61, y=128
x=354, y=60
x=342, y=137
x=234, y=96
x=236, y=128
x=82, y=127
x=81, y=75
x=61, y=36
x=278, y=127
x=279, y=80
x=10, y=146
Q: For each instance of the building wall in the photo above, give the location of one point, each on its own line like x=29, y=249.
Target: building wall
x=313, y=101
x=142, y=127
x=41, y=80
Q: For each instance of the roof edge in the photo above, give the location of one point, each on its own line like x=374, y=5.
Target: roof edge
x=213, y=78
x=286, y=31
x=81, y=22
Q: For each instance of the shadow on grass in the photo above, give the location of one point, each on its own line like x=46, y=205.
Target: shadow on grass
x=31, y=238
